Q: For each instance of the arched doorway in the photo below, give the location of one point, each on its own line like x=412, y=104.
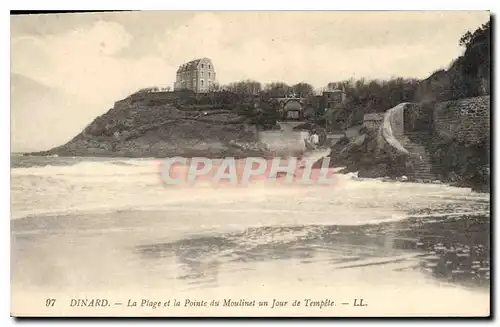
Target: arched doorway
x=293, y=110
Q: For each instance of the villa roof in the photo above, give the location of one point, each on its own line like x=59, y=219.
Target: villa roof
x=190, y=65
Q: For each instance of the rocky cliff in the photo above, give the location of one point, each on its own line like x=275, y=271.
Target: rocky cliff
x=454, y=149
x=165, y=124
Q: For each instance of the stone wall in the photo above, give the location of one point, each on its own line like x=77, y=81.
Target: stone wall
x=461, y=142
x=466, y=120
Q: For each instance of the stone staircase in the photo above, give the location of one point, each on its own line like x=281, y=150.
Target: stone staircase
x=422, y=167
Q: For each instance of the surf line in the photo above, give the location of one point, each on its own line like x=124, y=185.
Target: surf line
x=180, y=170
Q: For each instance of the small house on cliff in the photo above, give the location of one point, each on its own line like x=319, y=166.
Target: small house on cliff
x=291, y=108
x=374, y=120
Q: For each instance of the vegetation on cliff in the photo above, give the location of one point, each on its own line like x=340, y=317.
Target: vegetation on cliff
x=167, y=124
x=461, y=158
x=463, y=164
x=468, y=75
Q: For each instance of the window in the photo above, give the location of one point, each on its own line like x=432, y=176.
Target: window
x=201, y=66
x=209, y=75
x=208, y=66
x=201, y=83
x=202, y=73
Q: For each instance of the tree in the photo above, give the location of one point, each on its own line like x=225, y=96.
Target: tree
x=247, y=87
x=268, y=112
x=303, y=90
x=467, y=76
x=214, y=87
x=277, y=90
x=479, y=35
x=476, y=60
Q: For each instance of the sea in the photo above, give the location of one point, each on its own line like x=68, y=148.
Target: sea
x=87, y=228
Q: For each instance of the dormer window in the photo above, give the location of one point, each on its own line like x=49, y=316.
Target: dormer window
x=201, y=66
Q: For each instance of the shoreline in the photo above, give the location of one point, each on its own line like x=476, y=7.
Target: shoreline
x=342, y=168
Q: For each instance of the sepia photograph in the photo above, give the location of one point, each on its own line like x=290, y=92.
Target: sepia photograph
x=250, y=164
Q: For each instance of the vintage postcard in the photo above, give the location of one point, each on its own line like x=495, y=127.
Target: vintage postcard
x=250, y=164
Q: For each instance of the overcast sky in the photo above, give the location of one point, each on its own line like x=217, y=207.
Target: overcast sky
x=96, y=59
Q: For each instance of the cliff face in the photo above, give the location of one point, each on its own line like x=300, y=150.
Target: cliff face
x=164, y=124
x=457, y=144
x=468, y=76
x=461, y=142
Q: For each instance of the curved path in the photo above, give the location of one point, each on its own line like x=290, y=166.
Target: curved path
x=393, y=119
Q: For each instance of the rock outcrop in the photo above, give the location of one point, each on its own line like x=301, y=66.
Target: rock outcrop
x=164, y=124
x=454, y=149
